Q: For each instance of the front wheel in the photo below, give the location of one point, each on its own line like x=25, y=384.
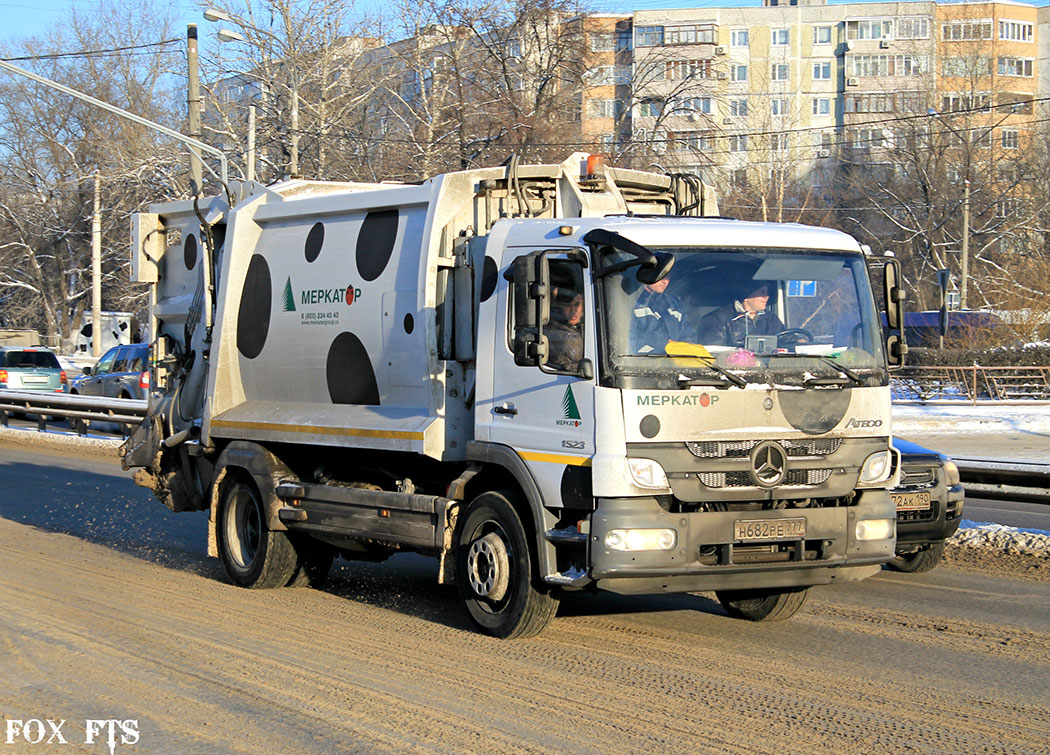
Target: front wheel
x=253, y=555
x=494, y=571
x=763, y=605
x=920, y=561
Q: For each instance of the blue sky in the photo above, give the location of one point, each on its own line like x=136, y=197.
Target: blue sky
x=23, y=18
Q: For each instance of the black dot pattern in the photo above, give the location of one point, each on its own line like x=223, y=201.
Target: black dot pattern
x=189, y=251
x=649, y=426
x=489, y=277
x=253, y=315
x=351, y=378
x=410, y=323
x=375, y=243
x=314, y=242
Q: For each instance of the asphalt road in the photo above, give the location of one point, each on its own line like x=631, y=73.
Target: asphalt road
x=111, y=608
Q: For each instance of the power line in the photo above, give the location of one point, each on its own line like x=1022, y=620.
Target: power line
x=89, y=53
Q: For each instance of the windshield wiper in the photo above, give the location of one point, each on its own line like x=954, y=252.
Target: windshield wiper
x=845, y=371
x=685, y=381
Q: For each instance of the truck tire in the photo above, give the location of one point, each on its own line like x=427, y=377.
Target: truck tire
x=763, y=605
x=494, y=571
x=920, y=561
x=314, y=563
x=252, y=555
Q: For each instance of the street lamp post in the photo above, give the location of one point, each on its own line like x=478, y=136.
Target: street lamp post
x=193, y=104
x=227, y=35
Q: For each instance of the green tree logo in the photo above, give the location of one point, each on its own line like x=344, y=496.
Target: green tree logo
x=568, y=405
x=289, y=297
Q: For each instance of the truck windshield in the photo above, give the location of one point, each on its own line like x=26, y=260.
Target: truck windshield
x=768, y=316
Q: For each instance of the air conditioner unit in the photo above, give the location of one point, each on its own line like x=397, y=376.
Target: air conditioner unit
x=722, y=76
x=849, y=45
x=884, y=44
x=720, y=50
x=824, y=153
x=852, y=81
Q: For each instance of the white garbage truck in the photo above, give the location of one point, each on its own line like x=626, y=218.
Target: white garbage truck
x=550, y=378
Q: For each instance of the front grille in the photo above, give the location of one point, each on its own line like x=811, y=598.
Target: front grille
x=739, y=449
x=916, y=476
x=923, y=515
x=742, y=479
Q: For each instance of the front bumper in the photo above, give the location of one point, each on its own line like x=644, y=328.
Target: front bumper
x=707, y=557
x=937, y=524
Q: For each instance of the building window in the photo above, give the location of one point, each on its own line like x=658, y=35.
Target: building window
x=888, y=65
x=913, y=28
x=1016, y=67
x=778, y=107
x=738, y=108
x=648, y=36
x=650, y=109
x=870, y=28
x=956, y=31
x=739, y=178
x=1009, y=138
x=738, y=72
x=911, y=102
x=779, y=37
x=821, y=106
x=738, y=38
x=778, y=142
x=689, y=35
x=953, y=103
x=1016, y=31
x=604, y=108
x=738, y=142
x=691, y=141
x=868, y=137
x=691, y=105
x=624, y=38
x=601, y=42
x=680, y=70
x=779, y=72
x=822, y=35
x=964, y=66
x=822, y=70
x=869, y=103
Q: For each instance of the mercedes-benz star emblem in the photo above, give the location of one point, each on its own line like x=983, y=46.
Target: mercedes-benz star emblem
x=768, y=464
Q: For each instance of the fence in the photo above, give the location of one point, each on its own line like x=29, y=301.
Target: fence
x=974, y=383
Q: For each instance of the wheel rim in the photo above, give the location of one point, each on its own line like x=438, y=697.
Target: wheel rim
x=489, y=567
x=243, y=528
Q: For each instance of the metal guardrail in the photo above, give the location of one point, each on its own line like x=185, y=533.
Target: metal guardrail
x=46, y=406
x=972, y=383
x=998, y=479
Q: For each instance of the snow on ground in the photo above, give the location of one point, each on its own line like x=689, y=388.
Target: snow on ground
x=954, y=419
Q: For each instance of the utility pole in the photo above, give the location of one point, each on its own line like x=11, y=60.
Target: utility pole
x=96, y=271
x=193, y=104
x=251, y=144
x=965, y=266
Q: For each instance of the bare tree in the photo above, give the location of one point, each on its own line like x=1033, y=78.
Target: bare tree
x=52, y=147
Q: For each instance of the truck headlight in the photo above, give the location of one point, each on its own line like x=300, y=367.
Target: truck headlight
x=646, y=473
x=641, y=540
x=875, y=529
x=876, y=467
x=951, y=473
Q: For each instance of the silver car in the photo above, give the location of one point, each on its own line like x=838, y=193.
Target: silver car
x=31, y=369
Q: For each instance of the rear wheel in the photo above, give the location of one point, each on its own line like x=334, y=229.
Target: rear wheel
x=763, y=605
x=315, y=563
x=253, y=555
x=919, y=561
x=494, y=571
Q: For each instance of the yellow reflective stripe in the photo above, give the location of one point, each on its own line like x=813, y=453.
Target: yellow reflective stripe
x=355, y=432
x=572, y=461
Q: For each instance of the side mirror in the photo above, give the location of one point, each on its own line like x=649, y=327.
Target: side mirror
x=87, y=370
x=896, y=345
x=531, y=284
x=662, y=264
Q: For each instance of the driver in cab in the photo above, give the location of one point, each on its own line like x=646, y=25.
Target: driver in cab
x=747, y=316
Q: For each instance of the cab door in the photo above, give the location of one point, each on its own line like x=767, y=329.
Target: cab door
x=545, y=413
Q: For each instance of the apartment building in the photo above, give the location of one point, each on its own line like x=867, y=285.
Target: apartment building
x=801, y=88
